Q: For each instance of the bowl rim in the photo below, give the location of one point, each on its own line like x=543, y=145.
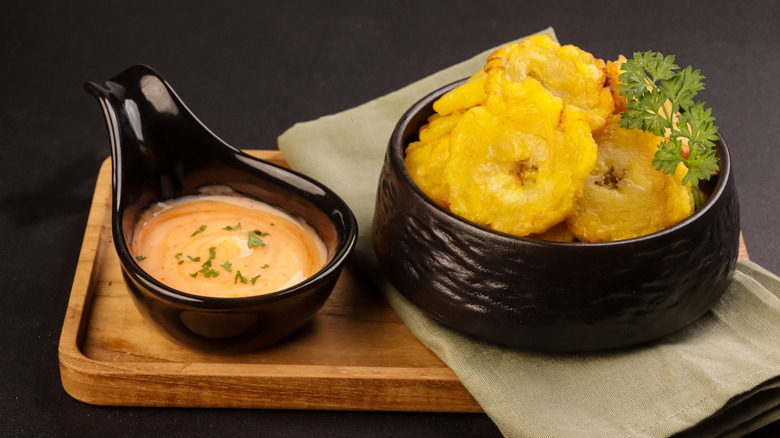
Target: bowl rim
x=177, y=297
x=397, y=148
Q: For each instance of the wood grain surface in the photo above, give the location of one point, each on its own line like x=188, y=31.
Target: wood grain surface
x=356, y=354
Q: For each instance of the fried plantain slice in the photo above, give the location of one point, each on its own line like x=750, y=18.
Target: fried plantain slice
x=425, y=163
x=613, y=74
x=624, y=196
x=439, y=126
x=464, y=96
x=518, y=163
x=567, y=71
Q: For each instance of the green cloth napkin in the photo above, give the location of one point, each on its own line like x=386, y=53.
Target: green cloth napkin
x=719, y=376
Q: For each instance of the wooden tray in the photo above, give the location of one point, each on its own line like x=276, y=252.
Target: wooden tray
x=355, y=355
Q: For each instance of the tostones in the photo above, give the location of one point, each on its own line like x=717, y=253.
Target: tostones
x=517, y=164
x=530, y=145
x=568, y=72
x=624, y=196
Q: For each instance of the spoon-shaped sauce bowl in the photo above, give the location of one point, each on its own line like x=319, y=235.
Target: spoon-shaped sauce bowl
x=161, y=151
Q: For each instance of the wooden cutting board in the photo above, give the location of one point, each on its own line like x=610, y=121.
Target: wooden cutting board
x=356, y=354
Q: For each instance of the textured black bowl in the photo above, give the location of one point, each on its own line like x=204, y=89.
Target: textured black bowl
x=160, y=151
x=544, y=295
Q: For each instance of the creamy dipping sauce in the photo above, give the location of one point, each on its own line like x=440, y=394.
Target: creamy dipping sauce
x=225, y=246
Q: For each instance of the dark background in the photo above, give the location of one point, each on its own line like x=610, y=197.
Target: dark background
x=250, y=70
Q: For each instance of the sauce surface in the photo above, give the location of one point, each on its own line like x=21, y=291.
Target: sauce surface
x=225, y=246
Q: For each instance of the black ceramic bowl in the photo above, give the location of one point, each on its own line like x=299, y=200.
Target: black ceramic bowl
x=544, y=295
x=161, y=151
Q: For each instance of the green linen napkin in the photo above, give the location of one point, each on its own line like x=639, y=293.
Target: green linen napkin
x=719, y=376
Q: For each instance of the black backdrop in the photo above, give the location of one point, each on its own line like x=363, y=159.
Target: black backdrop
x=250, y=70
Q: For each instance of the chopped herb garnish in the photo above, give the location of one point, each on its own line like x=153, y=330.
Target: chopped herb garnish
x=140, y=258
x=194, y=259
x=254, y=279
x=178, y=256
x=227, y=266
x=265, y=266
x=213, y=252
x=181, y=261
x=239, y=277
x=255, y=238
x=207, y=271
x=229, y=228
x=194, y=274
x=199, y=230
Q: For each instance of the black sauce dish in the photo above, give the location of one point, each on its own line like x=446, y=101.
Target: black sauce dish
x=548, y=296
x=159, y=151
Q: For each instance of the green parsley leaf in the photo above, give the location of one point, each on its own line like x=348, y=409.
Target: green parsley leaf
x=668, y=155
x=637, y=116
x=265, y=266
x=194, y=259
x=648, y=81
x=213, y=252
x=178, y=256
x=696, y=125
x=227, y=266
x=254, y=279
x=207, y=271
x=140, y=258
x=229, y=228
x=201, y=229
x=239, y=277
x=646, y=69
x=194, y=274
x=255, y=238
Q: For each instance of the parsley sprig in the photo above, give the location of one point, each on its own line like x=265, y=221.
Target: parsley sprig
x=648, y=82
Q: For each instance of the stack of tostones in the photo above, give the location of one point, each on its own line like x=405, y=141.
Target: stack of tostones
x=513, y=149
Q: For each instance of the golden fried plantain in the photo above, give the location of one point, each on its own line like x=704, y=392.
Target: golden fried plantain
x=513, y=149
x=464, y=96
x=510, y=151
x=425, y=163
x=613, y=74
x=567, y=71
x=624, y=196
x=518, y=163
x=556, y=233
